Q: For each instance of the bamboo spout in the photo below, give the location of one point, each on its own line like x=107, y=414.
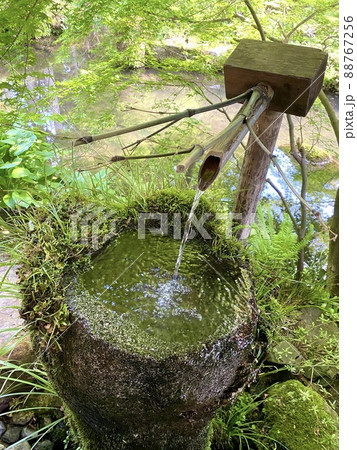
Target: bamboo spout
x=228, y=140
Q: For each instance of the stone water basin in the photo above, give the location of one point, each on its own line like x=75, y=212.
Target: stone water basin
x=148, y=359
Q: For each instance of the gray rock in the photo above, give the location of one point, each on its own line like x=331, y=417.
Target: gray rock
x=309, y=316
x=325, y=374
x=22, y=418
x=11, y=435
x=26, y=432
x=284, y=353
x=44, y=445
x=46, y=421
x=2, y=447
x=318, y=332
x=321, y=333
x=22, y=446
x=318, y=336
x=2, y=428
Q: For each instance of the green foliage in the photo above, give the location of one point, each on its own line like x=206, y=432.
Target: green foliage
x=25, y=172
x=176, y=39
x=22, y=21
x=231, y=426
x=30, y=391
x=173, y=201
x=237, y=426
x=275, y=249
x=47, y=252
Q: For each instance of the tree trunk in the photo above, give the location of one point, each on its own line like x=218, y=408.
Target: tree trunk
x=254, y=170
x=333, y=253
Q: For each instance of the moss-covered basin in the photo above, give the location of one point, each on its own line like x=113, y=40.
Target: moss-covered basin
x=128, y=377
x=130, y=285
x=125, y=384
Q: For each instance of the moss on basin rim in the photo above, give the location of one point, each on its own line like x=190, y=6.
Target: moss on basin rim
x=126, y=335
x=224, y=256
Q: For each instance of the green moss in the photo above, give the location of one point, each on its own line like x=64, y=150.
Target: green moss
x=318, y=155
x=300, y=418
x=128, y=336
x=50, y=252
x=81, y=433
x=172, y=201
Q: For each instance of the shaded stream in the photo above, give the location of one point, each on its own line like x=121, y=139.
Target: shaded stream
x=323, y=180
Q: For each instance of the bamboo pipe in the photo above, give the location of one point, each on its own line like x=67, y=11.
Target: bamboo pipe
x=228, y=140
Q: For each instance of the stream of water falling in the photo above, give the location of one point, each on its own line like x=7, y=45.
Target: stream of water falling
x=187, y=231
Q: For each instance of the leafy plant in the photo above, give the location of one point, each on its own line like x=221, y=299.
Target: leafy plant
x=25, y=385
x=238, y=428
x=275, y=248
x=25, y=169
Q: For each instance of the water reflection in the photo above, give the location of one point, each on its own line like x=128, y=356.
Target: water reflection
x=322, y=200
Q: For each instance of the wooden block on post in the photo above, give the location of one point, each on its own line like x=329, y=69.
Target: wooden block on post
x=294, y=72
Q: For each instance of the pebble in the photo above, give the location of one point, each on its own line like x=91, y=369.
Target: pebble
x=11, y=435
x=26, y=432
x=2, y=428
x=44, y=445
x=22, y=418
x=22, y=446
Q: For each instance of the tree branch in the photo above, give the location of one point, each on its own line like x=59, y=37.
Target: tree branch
x=291, y=32
x=118, y=158
x=293, y=149
x=285, y=203
x=281, y=172
x=303, y=221
x=296, y=27
x=199, y=90
x=256, y=20
x=132, y=108
x=140, y=141
x=171, y=118
x=331, y=114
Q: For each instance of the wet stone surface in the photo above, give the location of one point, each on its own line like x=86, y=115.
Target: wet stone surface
x=12, y=434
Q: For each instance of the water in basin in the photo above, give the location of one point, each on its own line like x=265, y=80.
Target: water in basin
x=134, y=278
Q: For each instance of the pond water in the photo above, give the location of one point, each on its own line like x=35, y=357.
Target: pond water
x=134, y=278
x=323, y=179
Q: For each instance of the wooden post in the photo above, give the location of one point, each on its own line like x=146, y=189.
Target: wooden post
x=254, y=170
x=295, y=74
